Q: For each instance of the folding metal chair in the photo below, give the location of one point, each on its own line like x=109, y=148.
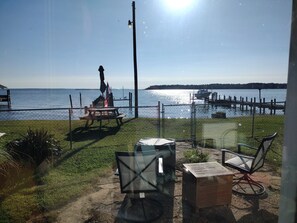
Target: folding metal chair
x=138, y=175
x=247, y=165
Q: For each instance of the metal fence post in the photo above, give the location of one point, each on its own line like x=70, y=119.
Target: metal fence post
x=70, y=128
x=193, y=124
x=163, y=119
x=159, y=121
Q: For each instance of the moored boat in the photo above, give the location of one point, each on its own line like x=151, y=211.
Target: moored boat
x=202, y=94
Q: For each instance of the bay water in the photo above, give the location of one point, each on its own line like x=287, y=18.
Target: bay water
x=60, y=98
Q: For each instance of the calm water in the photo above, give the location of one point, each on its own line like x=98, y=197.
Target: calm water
x=59, y=98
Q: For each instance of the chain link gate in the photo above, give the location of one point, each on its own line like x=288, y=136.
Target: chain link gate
x=179, y=122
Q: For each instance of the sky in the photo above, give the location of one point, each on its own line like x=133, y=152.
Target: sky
x=61, y=43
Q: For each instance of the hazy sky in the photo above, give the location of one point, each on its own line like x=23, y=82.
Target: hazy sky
x=61, y=43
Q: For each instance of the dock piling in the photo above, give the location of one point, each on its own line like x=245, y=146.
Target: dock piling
x=245, y=104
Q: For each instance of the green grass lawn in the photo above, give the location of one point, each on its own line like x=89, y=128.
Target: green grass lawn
x=25, y=193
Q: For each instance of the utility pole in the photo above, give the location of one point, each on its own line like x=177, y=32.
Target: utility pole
x=133, y=23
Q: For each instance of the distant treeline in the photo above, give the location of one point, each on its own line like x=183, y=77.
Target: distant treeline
x=221, y=86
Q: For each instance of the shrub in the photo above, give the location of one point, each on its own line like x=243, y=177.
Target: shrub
x=35, y=146
x=196, y=156
x=6, y=162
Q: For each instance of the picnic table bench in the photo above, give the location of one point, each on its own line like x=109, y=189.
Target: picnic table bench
x=99, y=114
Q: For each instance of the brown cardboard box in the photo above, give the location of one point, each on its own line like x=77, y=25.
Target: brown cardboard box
x=207, y=184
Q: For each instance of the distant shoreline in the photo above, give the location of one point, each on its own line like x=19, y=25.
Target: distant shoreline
x=220, y=86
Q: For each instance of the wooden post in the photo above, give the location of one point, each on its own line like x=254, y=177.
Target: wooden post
x=80, y=101
x=275, y=110
x=260, y=105
x=253, y=120
x=130, y=100
x=264, y=105
x=260, y=93
x=241, y=103
x=271, y=106
x=8, y=99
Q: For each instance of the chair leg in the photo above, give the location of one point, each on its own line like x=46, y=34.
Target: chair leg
x=245, y=185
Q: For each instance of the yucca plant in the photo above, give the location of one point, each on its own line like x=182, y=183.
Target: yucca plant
x=35, y=146
x=7, y=166
x=6, y=162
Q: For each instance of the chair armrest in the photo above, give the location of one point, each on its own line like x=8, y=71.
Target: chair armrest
x=239, y=145
x=234, y=154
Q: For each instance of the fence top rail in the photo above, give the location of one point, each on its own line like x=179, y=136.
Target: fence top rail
x=177, y=105
x=33, y=109
x=52, y=109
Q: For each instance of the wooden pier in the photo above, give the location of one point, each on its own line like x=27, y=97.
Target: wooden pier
x=245, y=104
x=6, y=98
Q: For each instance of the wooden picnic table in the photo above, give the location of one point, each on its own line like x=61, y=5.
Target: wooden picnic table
x=105, y=113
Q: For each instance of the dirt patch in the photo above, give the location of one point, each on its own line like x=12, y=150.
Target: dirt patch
x=104, y=202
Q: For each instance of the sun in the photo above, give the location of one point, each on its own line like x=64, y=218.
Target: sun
x=178, y=4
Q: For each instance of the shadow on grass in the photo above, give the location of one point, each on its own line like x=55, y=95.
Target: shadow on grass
x=91, y=133
x=86, y=134
x=94, y=132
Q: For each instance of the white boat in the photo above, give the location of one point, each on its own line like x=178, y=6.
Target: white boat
x=202, y=94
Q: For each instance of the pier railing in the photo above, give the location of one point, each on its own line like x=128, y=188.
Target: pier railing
x=263, y=106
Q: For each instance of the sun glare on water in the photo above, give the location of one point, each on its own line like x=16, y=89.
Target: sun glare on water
x=178, y=5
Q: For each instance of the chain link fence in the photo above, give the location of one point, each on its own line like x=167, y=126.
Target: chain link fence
x=66, y=126
x=201, y=124
x=221, y=126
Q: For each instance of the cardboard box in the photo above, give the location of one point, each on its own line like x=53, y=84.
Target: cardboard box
x=207, y=184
